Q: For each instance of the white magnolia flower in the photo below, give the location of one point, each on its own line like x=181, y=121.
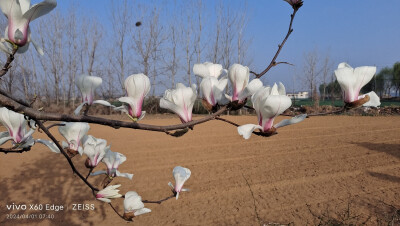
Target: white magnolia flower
x=137, y=86
x=269, y=103
x=95, y=149
x=20, y=13
x=74, y=132
x=112, y=161
x=16, y=129
x=180, y=101
x=351, y=80
x=208, y=69
x=108, y=193
x=213, y=90
x=87, y=85
x=181, y=175
x=239, y=78
x=133, y=204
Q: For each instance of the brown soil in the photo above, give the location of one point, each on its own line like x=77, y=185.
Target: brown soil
x=342, y=168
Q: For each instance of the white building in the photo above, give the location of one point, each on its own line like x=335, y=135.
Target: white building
x=299, y=95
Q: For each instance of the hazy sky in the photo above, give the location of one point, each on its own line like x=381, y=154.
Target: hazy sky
x=358, y=32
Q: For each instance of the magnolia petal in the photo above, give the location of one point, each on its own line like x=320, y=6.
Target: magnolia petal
x=53, y=147
x=103, y=102
x=171, y=185
x=38, y=48
x=214, y=69
x=142, y=211
x=142, y=115
x=6, y=5
x=25, y=5
x=201, y=70
x=170, y=106
x=177, y=196
x=79, y=108
x=219, y=91
x=4, y=134
x=250, y=89
x=294, y=120
x=5, y=139
x=247, y=130
x=23, y=49
x=344, y=65
x=40, y=9
x=64, y=144
x=281, y=89
x=29, y=142
x=121, y=109
x=126, y=175
x=185, y=189
x=228, y=97
x=98, y=173
x=5, y=48
x=104, y=200
x=374, y=100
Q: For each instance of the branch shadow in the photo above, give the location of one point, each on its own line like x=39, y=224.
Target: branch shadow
x=384, y=176
x=48, y=180
x=391, y=149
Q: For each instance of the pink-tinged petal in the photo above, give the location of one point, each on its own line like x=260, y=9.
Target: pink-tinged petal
x=352, y=80
x=181, y=175
x=247, y=130
x=239, y=78
x=40, y=9
x=87, y=85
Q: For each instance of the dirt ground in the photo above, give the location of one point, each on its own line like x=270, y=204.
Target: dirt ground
x=342, y=168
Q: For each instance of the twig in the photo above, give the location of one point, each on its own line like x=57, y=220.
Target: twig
x=45, y=130
x=273, y=61
x=116, y=211
x=254, y=200
x=226, y=120
x=56, y=124
x=90, y=171
x=7, y=65
x=160, y=201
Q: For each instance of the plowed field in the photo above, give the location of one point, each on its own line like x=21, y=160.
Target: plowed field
x=337, y=167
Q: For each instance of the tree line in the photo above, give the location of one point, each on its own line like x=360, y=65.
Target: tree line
x=161, y=40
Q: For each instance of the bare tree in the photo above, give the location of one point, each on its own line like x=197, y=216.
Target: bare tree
x=326, y=71
x=311, y=71
x=121, y=19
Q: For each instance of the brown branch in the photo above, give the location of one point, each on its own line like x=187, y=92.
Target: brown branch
x=45, y=130
x=7, y=65
x=226, y=120
x=160, y=201
x=273, y=61
x=55, y=124
x=14, y=150
x=18, y=106
x=116, y=211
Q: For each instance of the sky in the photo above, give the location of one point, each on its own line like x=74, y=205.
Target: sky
x=361, y=33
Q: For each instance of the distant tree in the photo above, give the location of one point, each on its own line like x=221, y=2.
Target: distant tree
x=396, y=77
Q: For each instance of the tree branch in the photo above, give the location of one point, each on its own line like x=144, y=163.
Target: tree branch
x=273, y=61
x=18, y=106
x=45, y=130
x=7, y=65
